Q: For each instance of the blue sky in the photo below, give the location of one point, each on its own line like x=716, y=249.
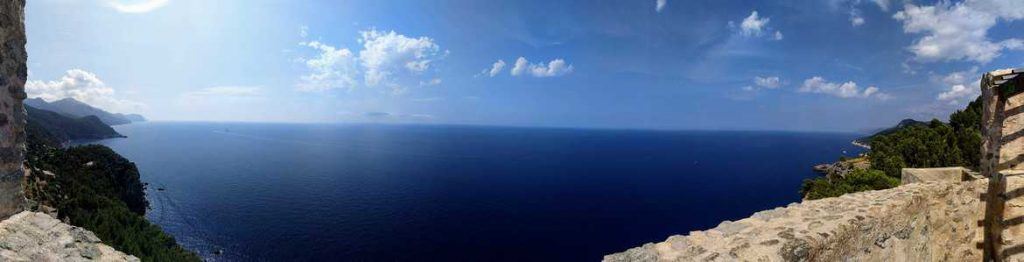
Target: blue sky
x=829, y=65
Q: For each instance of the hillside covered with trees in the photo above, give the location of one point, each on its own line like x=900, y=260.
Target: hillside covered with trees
x=937, y=144
x=55, y=129
x=93, y=187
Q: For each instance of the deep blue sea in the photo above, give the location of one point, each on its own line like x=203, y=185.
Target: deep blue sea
x=309, y=192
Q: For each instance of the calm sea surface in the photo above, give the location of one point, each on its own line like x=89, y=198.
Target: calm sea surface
x=393, y=192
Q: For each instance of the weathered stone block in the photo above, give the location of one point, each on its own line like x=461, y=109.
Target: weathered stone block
x=940, y=174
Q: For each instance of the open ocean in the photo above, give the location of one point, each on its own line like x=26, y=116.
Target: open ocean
x=335, y=192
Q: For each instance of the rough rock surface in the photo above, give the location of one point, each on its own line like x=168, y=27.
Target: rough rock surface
x=947, y=174
x=930, y=221
x=30, y=236
x=13, y=72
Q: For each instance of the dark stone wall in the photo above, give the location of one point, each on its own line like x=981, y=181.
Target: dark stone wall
x=13, y=74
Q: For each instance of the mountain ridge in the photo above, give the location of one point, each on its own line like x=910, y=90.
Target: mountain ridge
x=77, y=109
x=56, y=129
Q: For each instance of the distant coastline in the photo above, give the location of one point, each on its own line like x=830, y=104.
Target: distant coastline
x=860, y=144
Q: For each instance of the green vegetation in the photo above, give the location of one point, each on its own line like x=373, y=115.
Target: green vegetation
x=856, y=181
x=911, y=144
x=97, y=189
x=937, y=145
x=55, y=129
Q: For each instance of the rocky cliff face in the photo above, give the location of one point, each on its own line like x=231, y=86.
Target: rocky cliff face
x=30, y=236
x=13, y=73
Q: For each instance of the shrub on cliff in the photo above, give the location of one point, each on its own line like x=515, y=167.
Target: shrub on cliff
x=936, y=145
x=856, y=181
x=95, y=188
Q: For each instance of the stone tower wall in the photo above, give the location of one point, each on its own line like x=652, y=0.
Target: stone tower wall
x=13, y=74
x=1003, y=123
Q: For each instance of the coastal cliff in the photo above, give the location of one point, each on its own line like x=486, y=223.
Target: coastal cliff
x=29, y=236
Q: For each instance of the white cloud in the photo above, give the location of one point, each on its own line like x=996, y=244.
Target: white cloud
x=883, y=4
x=855, y=18
x=557, y=67
x=226, y=91
x=959, y=31
x=303, y=31
x=770, y=82
x=431, y=82
x=849, y=89
x=82, y=86
x=955, y=92
x=753, y=25
x=387, y=54
x=332, y=68
x=660, y=4
x=496, y=68
x=387, y=58
x=756, y=26
x=137, y=6
x=963, y=87
x=519, y=67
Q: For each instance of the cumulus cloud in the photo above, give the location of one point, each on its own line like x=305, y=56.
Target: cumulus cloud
x=557, y=67
x=770, y=82
x=963, y=86
x=386, y=58
x=226, y=92
x=519, y=67
x=955, y=92
x=303, y=31
x=753, y=25
x=855, y=18
x=496, y=68
x=750, y=92
x=83, y=86
x=849, y=89
x=756, y=26
x=137, y=6
x=659, y=4
x=385, y=54
x=959, y=31
x=332, y=68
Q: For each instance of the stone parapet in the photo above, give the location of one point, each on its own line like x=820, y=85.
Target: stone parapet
x=928, y=221
x=942, y=174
